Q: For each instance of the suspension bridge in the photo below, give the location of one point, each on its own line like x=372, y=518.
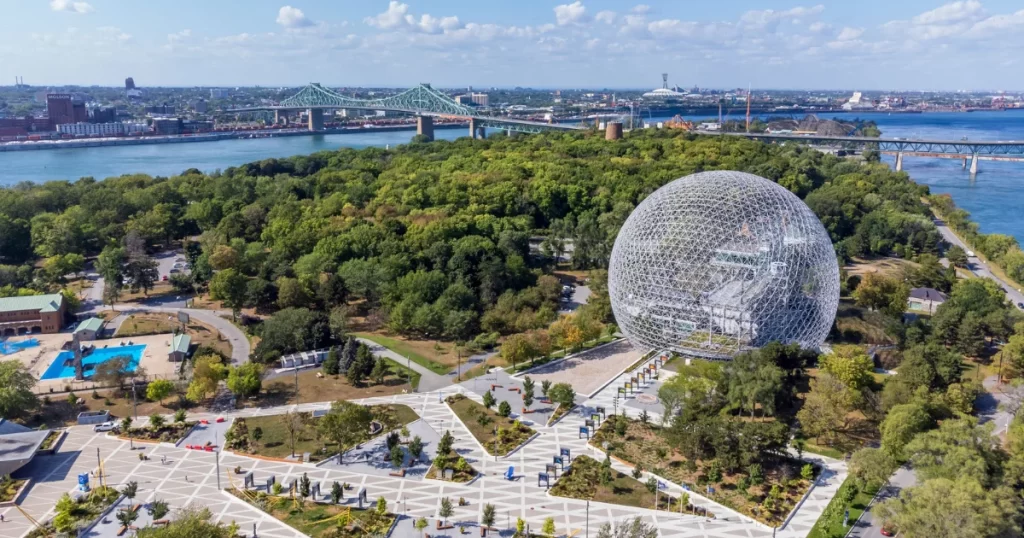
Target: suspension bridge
x=422, y=101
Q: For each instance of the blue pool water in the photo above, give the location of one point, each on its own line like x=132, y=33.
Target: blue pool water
x=7, y=347
x=61, y=366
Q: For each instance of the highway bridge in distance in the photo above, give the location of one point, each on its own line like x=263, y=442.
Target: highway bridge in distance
x=944, y=149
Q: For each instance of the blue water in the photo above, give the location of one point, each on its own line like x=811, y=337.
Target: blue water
x=61, y=366
x=992, y=198
x=7, y=347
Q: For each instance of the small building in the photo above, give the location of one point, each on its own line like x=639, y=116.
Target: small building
x=89, y=329
x=179, y=347
x=32, y=314
x=925, y=300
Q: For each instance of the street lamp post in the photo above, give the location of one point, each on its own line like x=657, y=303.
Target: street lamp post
x=135, y=401
x=588, y=518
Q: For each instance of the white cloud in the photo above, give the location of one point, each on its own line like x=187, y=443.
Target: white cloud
x=769, y=18
x=570, y=13
x=849, y=34
x=640, y=9
x=397, y=16
x=292, y=17
x=951, y=13
x=819, y=26
x=179, y=36
x=69, y=6
x=607, y=17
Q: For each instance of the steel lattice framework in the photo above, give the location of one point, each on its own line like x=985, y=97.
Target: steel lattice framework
x=718, y=262
x=421, y=99
x=948, y=147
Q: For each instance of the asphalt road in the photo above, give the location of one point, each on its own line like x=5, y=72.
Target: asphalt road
x=870, y=526
x=976, y=265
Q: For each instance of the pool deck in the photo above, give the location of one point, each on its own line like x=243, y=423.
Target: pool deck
x=154, y=359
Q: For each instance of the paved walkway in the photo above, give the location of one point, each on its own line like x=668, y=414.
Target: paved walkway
x=429, y=381
x=191, y=477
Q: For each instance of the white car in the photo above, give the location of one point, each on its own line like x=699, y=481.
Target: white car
x=970, y=253
x=105, y=427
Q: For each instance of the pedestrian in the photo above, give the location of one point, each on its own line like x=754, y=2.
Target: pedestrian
x=186, y=478
x=163, y=460
x=2, y=519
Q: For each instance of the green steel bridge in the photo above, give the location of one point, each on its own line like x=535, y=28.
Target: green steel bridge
x=423, y=101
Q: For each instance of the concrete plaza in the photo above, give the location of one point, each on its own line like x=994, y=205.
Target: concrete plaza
x=190, y=477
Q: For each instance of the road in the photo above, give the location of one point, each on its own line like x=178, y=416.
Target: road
x=977, y=265
x=429, y=381
x=869, y=525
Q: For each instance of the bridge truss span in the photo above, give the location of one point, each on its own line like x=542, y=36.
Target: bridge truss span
x=419, y=100
x=964, y=148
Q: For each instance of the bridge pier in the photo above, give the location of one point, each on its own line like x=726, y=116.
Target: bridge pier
x=899, y=162
x=425, y=126
x=475, y=130
x=316, y=119
x=964, y=164
x=974, y=164
x=280, y=117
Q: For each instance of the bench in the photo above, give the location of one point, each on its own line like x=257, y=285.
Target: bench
x=399, y=473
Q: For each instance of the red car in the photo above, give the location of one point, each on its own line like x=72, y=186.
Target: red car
x=888, y=529
x=164, y=278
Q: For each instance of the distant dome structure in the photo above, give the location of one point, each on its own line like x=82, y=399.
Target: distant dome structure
x=716, y=263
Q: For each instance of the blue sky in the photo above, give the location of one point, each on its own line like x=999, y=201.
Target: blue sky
x=865, y=44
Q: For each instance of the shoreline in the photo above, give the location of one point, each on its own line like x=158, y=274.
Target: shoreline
x=44, y=145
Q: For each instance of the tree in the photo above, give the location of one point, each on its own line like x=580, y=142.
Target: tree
x=901, y=425
x=126, y=517
x=549, y=527
x=444, y=446
x=16, y=397
x=304, y=486
x=380, y=370
x=871, y=467
x=416, y=447
x=111, y=293
x=345, y=424
x=944, y=508
x=337, y=493
x=229, y=286
x=190, y=521
x=487, y=519
x=956, y=256
x=528, y=387
x=826, y=407
x=159, y=389
x=850, y=364
x=130, y=490
x=752, y=379
x=179, y=416
x=156, y=421
x=516, y=348
x=504, y=409
x=421, y=524
x=879, y=292
x=489, y=400
x=158, y=509
x=957, y=449
x=206, y=374
x=256, y=434
x=332, y=364
x=245, y=381
x=545, y=386
x=562, y=394
x=294, y=424
x=446, y=510
x=397, y=456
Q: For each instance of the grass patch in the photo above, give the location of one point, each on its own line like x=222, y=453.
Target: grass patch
x=560, y=411
x=407, y=348
x=9, y=488
x=583, y=481
x=147, y=323
x=281, y=390
x=847, y=497
x=482, y=423
x=276, y=441
x=51, y=438
x=644, y=444
x=858, y=325
x=321, y=520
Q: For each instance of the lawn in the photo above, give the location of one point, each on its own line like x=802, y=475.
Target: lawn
x=321, y=520
x=56, y=412
x=160, y=289
x=831, y=521
x=429, y=354
x=276, y=440
x=583, y=481
x=203, y=335
x=281, y=390
x=483, y=422
x=644, y=444
x=9, y=488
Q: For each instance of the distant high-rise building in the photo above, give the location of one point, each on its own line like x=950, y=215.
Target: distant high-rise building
x=106, y=114
x=129, y=83
x=219, y=93
x=160, y=109
x=200, y=106
x=62, y=108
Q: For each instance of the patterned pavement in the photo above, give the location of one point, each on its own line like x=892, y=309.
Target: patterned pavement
x=190, y=477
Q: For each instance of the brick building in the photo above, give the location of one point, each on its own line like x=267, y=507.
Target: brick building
x=62, y=108
x=32, y=314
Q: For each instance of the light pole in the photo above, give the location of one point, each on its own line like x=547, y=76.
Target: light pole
x=135, y=401
x=588, y=518
x=216, y=457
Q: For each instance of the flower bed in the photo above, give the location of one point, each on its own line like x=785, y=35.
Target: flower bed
x=584, y=480
x=10, y=487
x=321, y=520
x=495, y=433
x=72, y=515
x=166, y=433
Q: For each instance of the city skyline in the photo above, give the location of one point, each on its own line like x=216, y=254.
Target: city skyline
x=914, y=45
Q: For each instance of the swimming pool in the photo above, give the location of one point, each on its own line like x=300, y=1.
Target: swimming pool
x=63, y=367
x=7, y=347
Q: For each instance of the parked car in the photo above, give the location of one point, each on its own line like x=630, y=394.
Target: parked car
x=970, y=253
x=164, y=278
x=108, y=426
x=888, y=529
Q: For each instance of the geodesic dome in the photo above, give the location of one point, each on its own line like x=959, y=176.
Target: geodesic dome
x=718, y=262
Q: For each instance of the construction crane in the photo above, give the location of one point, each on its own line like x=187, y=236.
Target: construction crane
x=677, y=122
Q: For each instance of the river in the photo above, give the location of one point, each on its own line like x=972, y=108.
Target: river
x=992, y=197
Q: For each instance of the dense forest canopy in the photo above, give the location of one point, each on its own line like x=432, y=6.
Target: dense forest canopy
x=431, y=238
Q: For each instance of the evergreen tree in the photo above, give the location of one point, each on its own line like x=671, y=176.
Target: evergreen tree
x=348, y=354
x=332, y=364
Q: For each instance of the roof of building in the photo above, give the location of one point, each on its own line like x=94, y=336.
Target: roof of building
x=91, y=324
x=180, y=343
x=42, y=303
x=928, y=294
x=18, y=445
x=8, y=427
